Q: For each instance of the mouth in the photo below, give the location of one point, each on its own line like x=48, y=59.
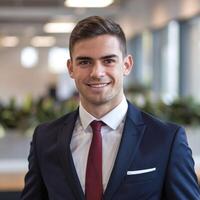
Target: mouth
x=97, y=85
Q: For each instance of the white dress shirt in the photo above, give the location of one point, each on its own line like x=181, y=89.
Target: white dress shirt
x=111, y=137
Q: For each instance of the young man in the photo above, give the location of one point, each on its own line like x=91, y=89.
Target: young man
x=107, y=149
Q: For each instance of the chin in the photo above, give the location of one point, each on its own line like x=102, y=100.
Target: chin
x=103, y=101
x=98, y=101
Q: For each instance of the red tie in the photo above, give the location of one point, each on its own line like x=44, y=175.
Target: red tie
x=93, y=185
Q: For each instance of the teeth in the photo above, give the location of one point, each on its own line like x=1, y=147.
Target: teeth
x=98, y=85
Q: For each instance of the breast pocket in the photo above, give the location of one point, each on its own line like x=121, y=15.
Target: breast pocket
x=144, y=175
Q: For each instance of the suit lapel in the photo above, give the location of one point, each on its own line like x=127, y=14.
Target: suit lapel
x=65, y=155
x=132, y=134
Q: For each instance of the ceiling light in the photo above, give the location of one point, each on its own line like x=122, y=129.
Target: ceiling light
x=43, y=41
x=9, y=41
x=88, y=3
x=29, y=57
x=59, y=27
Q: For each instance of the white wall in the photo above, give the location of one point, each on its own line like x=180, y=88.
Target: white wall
x=18, y=81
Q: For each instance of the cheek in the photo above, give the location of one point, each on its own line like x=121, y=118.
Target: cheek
x=80, y=78
x=118, y=75
x=82, y=73
x=78, y=75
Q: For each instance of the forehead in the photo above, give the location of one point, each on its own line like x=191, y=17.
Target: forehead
x=97, y=46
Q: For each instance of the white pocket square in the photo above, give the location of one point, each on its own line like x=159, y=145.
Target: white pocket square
x=142, y=171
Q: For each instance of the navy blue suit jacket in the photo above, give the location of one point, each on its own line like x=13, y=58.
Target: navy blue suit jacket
x=146, y=143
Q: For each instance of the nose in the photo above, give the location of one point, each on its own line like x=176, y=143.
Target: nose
x=98, y=70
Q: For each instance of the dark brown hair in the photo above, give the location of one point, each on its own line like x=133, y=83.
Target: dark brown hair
x=94, y=26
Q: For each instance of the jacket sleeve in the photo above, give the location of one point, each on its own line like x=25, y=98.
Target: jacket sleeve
x=181, y=180
x=34, y=186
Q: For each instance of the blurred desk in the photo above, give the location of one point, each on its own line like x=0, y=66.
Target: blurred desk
x=14, y=150
x=198, y=175
x=11, y=182
x=12, y=174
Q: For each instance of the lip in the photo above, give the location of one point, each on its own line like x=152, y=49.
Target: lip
x=97, y=85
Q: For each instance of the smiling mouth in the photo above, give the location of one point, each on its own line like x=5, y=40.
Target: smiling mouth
x=98, y=85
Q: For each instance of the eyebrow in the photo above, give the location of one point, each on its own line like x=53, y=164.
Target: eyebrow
x=83, y=58
x=109, y=56
x=103, y=57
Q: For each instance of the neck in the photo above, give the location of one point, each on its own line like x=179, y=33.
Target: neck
x=99, y=110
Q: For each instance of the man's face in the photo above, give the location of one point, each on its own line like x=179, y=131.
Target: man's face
x=98, y=67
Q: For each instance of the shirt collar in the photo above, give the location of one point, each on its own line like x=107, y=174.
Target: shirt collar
x=112, y=119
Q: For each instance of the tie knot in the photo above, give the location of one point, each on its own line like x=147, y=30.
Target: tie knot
x=96, y=125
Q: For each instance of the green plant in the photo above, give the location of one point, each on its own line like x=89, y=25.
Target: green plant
x=30, y=113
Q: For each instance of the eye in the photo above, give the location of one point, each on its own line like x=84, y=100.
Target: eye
x=109, y=61
x=84, y=63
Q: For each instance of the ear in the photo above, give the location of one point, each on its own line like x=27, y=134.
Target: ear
x=128, y=65
x=70, y=67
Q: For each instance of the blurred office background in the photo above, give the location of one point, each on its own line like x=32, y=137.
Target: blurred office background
x=162, y=35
